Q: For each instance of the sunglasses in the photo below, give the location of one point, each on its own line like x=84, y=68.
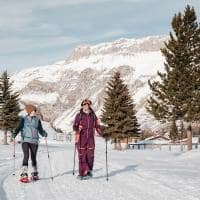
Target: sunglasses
x=86, y=104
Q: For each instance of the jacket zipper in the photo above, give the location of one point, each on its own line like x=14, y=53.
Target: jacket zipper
x=87, y=129
x=31, y=129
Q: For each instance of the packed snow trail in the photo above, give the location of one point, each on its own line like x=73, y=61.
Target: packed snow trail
x=6, y=167
x=133, y=174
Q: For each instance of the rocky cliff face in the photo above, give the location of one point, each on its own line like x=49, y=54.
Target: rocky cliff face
x=58, y=89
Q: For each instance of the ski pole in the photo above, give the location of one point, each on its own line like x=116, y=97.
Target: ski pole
x=77, y=138
x=74, y=158
x=106, y=159
x=14, y=157
x=49, y=159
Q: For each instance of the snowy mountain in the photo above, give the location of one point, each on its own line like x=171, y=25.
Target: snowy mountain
x=58, y=89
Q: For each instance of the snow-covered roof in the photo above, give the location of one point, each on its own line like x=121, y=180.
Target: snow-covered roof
x=157, y=137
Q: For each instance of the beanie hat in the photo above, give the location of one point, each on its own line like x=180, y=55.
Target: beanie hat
x=86, y=101
x=29, y=108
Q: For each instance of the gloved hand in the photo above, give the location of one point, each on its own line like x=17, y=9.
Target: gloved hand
x=77, y=137
x=44, y=134
x=80, y=127
x=105, y=136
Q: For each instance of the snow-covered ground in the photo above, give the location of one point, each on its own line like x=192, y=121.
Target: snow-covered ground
x=133, y=174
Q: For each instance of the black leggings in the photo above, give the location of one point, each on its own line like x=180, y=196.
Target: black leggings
x=33, y=149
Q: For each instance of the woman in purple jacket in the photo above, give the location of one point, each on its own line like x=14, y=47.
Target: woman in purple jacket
x=84, y=125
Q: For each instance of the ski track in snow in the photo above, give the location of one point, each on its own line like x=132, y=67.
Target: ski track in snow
x=133, y=174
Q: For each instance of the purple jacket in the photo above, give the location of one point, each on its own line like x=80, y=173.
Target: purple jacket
x=86, y=124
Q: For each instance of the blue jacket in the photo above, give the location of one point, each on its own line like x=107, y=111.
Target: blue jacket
x=30, y=128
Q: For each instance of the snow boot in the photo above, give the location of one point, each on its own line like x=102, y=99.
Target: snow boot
x=34, y=174
x=83, y=177
x=24, y=175
x=90, y=174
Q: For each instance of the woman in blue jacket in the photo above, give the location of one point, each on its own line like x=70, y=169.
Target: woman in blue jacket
x=30, y=127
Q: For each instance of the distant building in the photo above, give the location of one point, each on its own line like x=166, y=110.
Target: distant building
x=195, y=140
x=158, y=139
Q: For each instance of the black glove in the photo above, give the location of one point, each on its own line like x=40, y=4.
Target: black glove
x=106, y=136
x=44, y=134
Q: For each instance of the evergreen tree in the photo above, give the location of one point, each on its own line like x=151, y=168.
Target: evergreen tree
x=9, y=108
x=193, y=34
x=176, y=95
x=119, y=113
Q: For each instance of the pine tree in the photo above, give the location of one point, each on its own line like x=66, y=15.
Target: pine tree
x=119, y=113
x=176, y=95
x=9, y=108
x=193, y=34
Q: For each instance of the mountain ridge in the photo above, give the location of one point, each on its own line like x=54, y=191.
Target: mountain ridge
x=58, y=89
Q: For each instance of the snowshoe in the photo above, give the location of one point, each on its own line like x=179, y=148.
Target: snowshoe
x=83, y=177
x=34, y=176
x=90, y=174
x=24, y=178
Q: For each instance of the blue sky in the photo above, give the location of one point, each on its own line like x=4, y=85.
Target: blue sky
x=39, y=32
